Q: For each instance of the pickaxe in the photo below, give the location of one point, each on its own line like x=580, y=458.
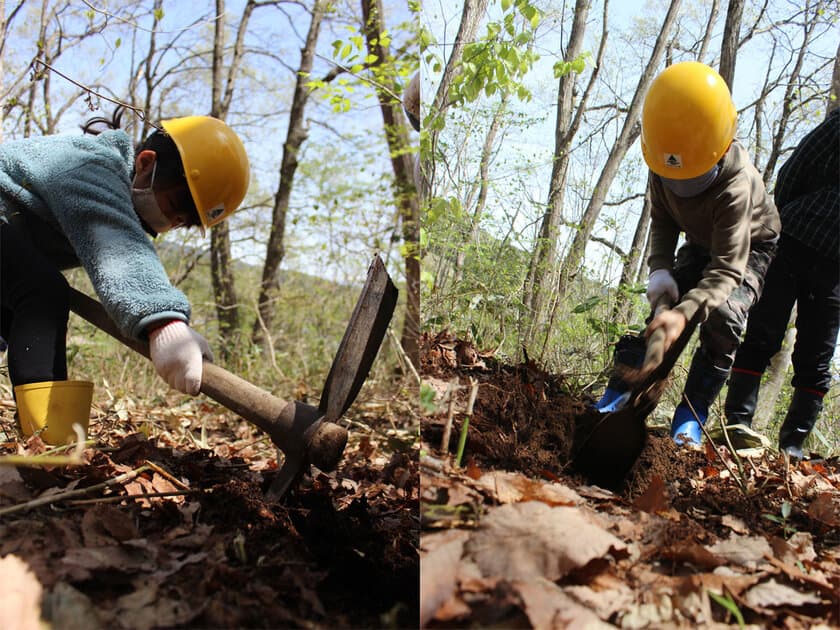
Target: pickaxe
x=306, y=434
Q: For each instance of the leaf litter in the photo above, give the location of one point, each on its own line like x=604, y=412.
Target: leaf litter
x=514, y=537
x=175, y=531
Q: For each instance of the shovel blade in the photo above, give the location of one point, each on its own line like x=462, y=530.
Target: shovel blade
x=361, y=341
x=613, y=446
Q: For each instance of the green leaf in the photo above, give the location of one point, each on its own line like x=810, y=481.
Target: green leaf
x=786, y=508
x=588, y=304
x=158, y=15
x=727, y=603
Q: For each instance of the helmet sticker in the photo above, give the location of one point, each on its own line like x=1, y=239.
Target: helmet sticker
x=674, y=160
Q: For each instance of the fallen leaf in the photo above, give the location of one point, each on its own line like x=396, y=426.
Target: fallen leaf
x=548, y=607
x=527, y=540
x=734, y=523
x=654, y=499
x=512, y=487
x=690, y=552
x=438, y=568
x=772, y=594
x=825, y=509
x=105, y=524
x=747, y=551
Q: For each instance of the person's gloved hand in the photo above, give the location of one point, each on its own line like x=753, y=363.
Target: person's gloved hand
x=661, y=282
x=176, y=351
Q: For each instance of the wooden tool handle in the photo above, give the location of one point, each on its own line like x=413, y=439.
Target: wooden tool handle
x=655, y=351
x=293, y=427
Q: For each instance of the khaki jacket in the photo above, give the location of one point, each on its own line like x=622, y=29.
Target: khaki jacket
x=734, y=214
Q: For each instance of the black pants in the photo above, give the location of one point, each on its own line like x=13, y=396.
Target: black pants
x=798, y=275
x=33, y=309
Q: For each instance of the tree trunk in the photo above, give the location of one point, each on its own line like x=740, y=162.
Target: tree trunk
x=471, y=14
x=484, y=167
x=295, y=137
x=540, y=274
x=396, y=133
x=221, y=267
x=791, y=90
x=833, y=100
x=729, y=46
x=629, y=132
x=634, y=263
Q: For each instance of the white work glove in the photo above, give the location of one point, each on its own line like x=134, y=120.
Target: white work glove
x=176, y=351
x=661, y=282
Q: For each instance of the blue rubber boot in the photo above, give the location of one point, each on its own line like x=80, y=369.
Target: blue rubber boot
x=684, y=427
x=702, y=386
x=612, y=399
x=629, y=355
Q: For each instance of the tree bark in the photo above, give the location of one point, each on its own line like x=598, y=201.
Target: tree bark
x=483, y=170
x=833, y=100
x=788, y=102
x=471, y=14
x=729, y=46
x=221, y=266
x=540, y=274
x=295, y=137
x=402, y=162
x=629, y=132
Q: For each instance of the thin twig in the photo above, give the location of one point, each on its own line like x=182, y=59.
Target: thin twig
x=163, y=473
x=72, y=494
x=136, y=26
x=137, y=111
x=403, y=356
x=738, y=480
x=133, y=497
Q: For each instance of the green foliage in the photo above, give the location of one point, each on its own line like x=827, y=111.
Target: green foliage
x=729, y=604
x=782, y=518
x=499, y=61
x=562, y=68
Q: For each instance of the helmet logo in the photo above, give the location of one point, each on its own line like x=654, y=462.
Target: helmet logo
x=215, y=213
x=673, y=160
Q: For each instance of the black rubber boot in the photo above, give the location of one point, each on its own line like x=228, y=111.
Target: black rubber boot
x=805, y=407
x=742, y=396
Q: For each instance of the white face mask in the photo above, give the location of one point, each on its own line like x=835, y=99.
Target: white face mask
x=146, y=206
x=691, y=187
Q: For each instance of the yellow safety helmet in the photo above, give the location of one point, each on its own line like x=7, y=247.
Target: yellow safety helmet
x=215, y=165
x=688, y=121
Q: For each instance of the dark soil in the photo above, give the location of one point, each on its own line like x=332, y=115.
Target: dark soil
x=338, y=552
x=526, y=420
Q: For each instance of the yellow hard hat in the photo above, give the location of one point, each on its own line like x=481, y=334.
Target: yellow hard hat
x=688, y=121
x=215, y=165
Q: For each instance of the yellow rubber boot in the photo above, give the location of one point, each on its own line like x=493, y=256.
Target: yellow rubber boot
x=52, y=407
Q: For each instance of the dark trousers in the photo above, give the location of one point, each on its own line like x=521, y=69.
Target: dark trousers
x=721, y=333
x=797, y=275
x=33, y=310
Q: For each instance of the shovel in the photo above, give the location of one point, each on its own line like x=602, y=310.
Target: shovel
x=607, y=452
x=306, y=434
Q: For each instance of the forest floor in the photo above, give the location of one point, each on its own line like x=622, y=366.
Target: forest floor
x=514, y=538
x=165, y=524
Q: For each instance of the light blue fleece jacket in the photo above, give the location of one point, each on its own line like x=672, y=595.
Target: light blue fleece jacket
x=81, y=187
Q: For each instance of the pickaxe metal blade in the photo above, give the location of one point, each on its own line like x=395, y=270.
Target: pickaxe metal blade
x=306, y=434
